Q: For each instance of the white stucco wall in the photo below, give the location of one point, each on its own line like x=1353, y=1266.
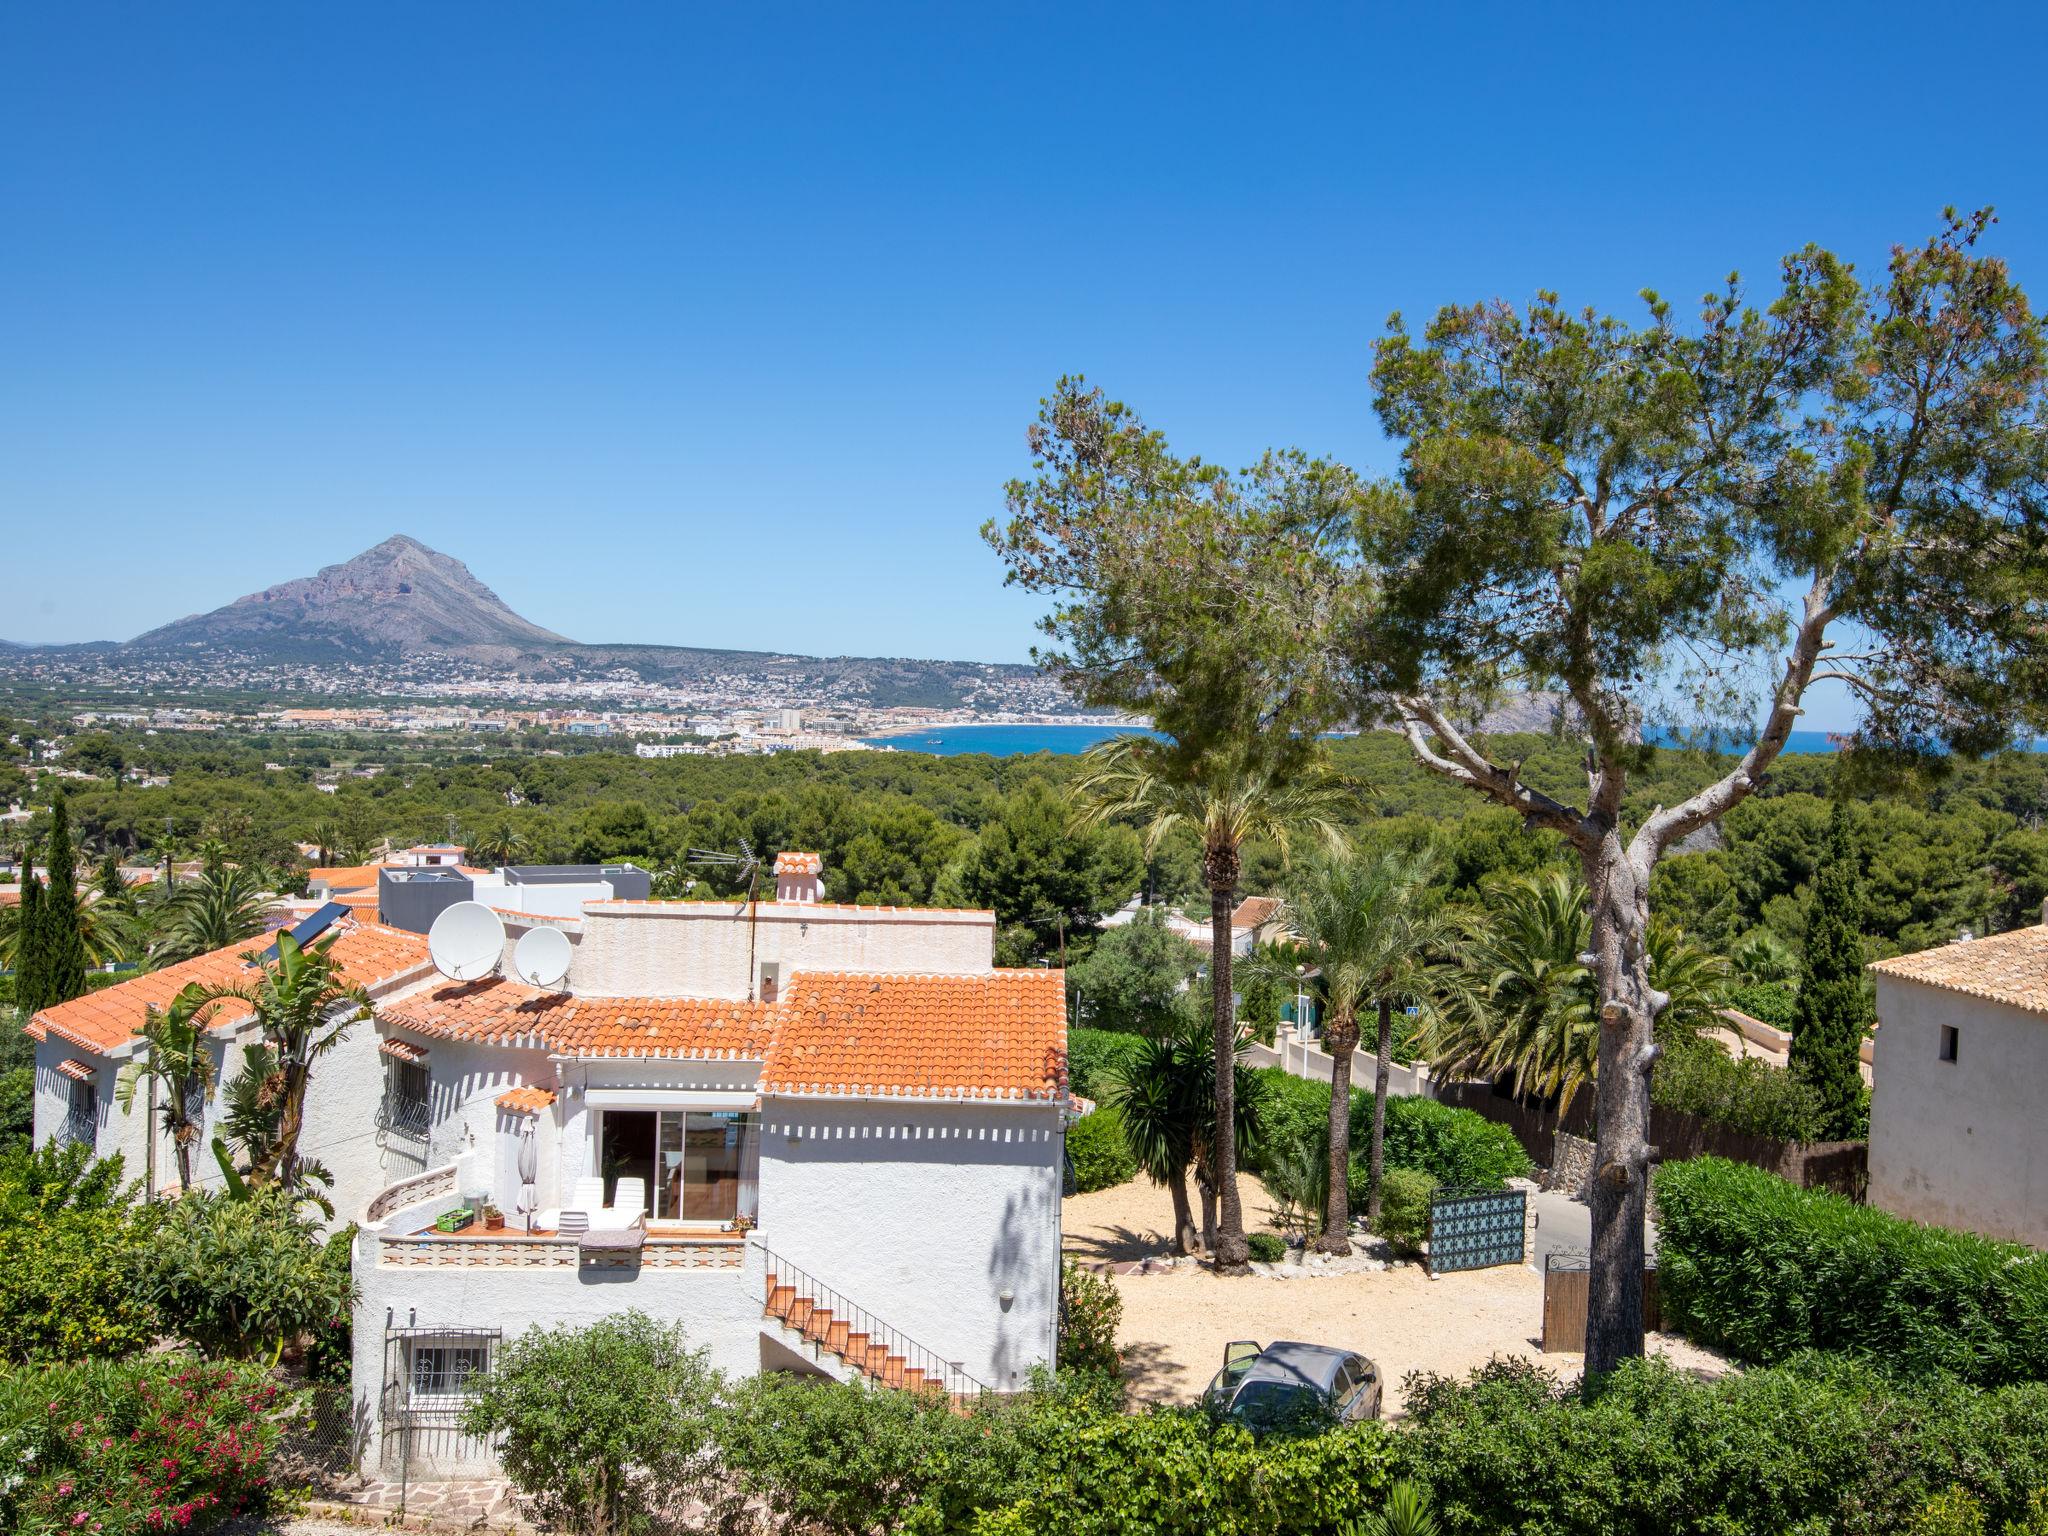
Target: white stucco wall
x=924, y=1214
x=699, y=949
x=1962, y=1143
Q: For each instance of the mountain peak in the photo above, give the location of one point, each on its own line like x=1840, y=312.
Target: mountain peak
x=395, y=596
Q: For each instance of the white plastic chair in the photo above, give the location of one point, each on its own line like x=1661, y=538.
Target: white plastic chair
x=584, y=1206
x=629, y=1204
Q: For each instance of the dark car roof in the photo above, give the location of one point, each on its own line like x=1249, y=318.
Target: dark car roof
x=1294, y=1364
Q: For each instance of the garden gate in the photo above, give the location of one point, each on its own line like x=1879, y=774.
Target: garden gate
x=1477, y=1228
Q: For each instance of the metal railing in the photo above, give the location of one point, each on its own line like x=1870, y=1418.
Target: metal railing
x=80, y=1130
x=812, y=1296
x=404, y=1115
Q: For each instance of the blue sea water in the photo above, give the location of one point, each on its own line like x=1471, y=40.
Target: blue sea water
x=1017, y=740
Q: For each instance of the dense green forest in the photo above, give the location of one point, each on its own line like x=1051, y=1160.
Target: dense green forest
x=1965, y=848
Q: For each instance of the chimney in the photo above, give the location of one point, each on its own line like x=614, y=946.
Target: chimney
x=799, y=877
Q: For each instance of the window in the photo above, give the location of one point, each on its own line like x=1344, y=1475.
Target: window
x=710, y=1165
x=1950, y=1040
x=82, y=1115
x=771, y=981
x=406, y=1109
x=443, y=1370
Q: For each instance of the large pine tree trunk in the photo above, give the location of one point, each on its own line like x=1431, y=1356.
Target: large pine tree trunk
x=1341, y=1040
x=1377, y=1157
x=1619, y=1197
x=1233, y=1253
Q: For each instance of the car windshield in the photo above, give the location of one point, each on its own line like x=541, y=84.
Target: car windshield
x=1271, y=1404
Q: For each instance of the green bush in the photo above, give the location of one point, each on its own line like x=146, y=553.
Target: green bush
x=1291, y=1110
x=1101, y=1157
x=602, y=1426
x=1404, y=1207
x=1822, y=1445
x=1090, y=1310
x=1459, y=1148
x=72, y=1240
x=1094, y=1055
x=1748, y=1095
x=245, y=1277
x=1771, y=1002
x=1267, y=1247
x=127, y=1447
x=1756, y=1266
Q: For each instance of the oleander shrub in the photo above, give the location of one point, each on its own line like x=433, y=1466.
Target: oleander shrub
x=1404, y=1208
x=72, y=1238
x=1748, y=1095
x=1754, y=1265
x=1100, y=1155
x=1291, y=1110
x=1267, y=1247
x=1090, y=1310
x=137, y=1447
x=1095, y=1056
x=1771, y=1002
x=1819, y=1445
x=1459, y=1148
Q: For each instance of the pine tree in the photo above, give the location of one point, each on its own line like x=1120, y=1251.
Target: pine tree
x=63, y=942
x=1829, y=1022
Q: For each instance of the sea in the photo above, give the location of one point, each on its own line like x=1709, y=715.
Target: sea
x=1020, y=740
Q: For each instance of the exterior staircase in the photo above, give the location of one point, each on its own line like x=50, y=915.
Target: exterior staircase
x=825, y=1326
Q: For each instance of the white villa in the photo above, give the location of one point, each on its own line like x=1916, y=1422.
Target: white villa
x=825, y=1138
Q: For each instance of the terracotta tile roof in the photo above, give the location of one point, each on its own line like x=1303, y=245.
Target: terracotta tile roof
x=78, y=1071
x=1002, y=1035
x=370, y=955
x=525, y=1101
x=690, y=1028
x=1254, y=911
x=403, y=1050
x=799, y=864
x=2006, y=968
x=344, y=877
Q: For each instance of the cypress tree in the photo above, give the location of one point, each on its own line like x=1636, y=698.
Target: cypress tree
x=30, y=994
x=63, y=941
x=1829, y=1019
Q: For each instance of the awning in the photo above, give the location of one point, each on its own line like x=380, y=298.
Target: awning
x=78, y=1071
x=671, y=1098
x=403, y=1050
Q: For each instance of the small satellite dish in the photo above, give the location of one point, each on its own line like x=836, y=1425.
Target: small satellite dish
x=541, y=958
x=467, y=941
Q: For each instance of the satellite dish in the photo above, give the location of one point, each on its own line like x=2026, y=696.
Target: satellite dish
x=467, y=941
x=541, y=958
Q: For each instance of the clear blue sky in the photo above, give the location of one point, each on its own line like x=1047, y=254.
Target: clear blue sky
x=722, y=324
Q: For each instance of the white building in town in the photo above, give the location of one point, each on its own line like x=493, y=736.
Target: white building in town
x=1957, y=1136
x=825, y=1138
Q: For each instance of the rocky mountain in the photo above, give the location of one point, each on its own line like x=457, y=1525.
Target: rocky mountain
x=398, y=597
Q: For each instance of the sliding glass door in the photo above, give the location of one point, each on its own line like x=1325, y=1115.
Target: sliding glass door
x=706, y=1165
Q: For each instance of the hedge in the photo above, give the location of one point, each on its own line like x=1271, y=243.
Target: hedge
x=1758, y=1267
x=1093, y=1055
x=1457, y=1147
x=1749, y=1095
x=1101, y=1157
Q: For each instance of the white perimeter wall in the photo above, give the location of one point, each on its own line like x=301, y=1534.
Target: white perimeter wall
x=924, y=1214
x=699, y=949
x=1961, y=1143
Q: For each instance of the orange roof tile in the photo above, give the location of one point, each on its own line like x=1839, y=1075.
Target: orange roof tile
x=694, y=1028
x=370, y=955
x=344, y=877
x=799, y=864
x=1002, y=1035
x=1254, y=911
x=525, y=1101
x=2007, y=968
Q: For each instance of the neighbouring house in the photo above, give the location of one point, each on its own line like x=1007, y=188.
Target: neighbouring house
x=825, y=1138
x=1957, y=1136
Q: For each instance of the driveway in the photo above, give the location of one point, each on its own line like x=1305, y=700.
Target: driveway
x=1564, y=1225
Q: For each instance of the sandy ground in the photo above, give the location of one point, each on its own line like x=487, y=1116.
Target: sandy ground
x=1176, y=1324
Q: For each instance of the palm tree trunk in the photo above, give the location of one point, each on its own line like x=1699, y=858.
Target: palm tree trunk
x=1377, y=1158
x=1233, y=1253
x=1185, y=1239
x=1341, y=1039
x=283, y=1155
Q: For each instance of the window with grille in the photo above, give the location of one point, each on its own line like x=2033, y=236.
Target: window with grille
x=444, y=1370
x=407, y=1109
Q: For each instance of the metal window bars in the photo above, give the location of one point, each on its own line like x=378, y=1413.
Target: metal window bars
x=829, y=1323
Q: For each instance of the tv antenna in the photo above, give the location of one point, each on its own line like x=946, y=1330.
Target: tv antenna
x=745, y=865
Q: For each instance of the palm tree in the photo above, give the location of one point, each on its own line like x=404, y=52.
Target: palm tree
x=226, y=904
x=1369, y=926
x=304, y=1009
x=107, y=932
x=326, y=838
x=495, y=847
x=1166, y=1095
x=174, y=1058
x=1227, y=795
x=1524, y=1005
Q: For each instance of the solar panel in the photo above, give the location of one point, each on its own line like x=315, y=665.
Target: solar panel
x=307, y=929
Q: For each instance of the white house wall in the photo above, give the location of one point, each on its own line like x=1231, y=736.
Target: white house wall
x=700, y=949
x=924, y=1214
x=1962, y=1143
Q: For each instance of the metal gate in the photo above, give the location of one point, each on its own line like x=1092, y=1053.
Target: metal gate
x=425, y=1395
x=1476, y=1229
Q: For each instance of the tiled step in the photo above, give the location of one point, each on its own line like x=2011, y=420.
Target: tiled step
x=859, y=1350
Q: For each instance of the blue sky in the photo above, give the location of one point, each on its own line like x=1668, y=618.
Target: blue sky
x=722, y=325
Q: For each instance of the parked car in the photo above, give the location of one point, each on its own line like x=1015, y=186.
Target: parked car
x=1286, y=1382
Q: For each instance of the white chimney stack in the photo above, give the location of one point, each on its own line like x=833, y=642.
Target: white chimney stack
x=799, y=877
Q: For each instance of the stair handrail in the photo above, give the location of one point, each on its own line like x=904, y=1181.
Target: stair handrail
x=951, y=1374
